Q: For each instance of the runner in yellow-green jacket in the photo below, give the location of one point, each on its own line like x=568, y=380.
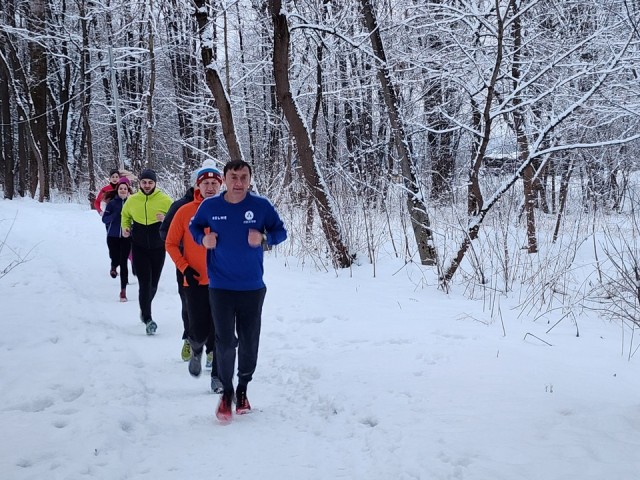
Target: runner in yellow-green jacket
x=142, y=215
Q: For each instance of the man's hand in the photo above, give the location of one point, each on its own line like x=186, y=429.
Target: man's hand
x=126, y=233
x=191, y=276
x=255, y=238
x=210, y=240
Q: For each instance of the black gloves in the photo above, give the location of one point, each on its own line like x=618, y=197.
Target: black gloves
x=190, y=275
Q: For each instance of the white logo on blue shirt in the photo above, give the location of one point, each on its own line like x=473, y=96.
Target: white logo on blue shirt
x=248, y=217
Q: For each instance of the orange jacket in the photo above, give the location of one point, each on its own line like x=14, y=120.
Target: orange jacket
x=192, y=254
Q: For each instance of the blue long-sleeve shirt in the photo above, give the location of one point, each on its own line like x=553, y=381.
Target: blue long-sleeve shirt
x=234, y=264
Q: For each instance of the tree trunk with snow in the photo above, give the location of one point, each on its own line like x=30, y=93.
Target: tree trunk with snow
x=214, y=81
x=313, y=177
x=38, y=92
x=420, y=221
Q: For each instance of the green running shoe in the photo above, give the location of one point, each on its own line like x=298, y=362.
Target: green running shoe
x=186, y=351
x=209, y=360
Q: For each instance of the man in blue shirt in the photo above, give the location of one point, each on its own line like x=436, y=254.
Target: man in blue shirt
x=233, y=227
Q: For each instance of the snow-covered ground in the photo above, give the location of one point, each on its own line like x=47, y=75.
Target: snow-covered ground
x=358, y=377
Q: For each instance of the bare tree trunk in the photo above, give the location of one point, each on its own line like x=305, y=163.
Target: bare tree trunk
x=475, y=199
x=6, y=130
x=225, y=42
x=182, y=53
x=442, y=158
x=415, y=199
x=38, y=91
x=482, y=122
x=152, y=86
x=60, y=99
x=214, y=82
x=30, y=158
x=63, y=131
x=529, y=206
x=522, y=140
x=540, y=179
x=85, y=98
x=350, y=129
x=312, y=175
x=564, y=193
x=23, y=154
x=440, y=138
x=250, y=127
x=109, y=86
x=111, y=105
x=29, y=155
x=130, y=88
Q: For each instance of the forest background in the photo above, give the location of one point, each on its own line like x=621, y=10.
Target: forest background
x=487, y=141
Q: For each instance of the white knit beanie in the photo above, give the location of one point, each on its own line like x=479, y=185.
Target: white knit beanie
x=194, y=175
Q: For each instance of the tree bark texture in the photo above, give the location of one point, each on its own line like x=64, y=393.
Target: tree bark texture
x=416, y=205
x=85, y=99
x=38, y=91
x=182, y=55
x=214, y=82
x=29, y=156
x=152, y=86
x=317, y=188
x=519, y=122
x=6, y=133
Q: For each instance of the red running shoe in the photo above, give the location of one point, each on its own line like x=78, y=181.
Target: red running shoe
x=223, y=413
x=242, y=402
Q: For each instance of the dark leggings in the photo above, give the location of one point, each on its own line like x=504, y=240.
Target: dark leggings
x=148, y=263
x=241, y=312
x=119, y=248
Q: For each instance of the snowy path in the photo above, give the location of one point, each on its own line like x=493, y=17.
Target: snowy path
x=358, y=378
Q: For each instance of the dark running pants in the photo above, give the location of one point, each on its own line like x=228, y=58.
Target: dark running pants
x=201, y=328
x=183, y=302
x=185, y=313
x=119, y=249
x=148, y=263
x=241, y=312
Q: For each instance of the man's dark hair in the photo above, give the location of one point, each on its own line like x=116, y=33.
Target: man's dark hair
x=236, y=165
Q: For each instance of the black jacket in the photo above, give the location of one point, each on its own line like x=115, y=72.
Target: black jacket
x=166, y=223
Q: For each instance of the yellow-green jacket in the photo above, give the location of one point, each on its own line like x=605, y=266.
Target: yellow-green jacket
x=139, y=215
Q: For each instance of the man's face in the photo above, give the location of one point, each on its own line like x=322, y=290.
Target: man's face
x=209, y=187
x=114, y=178
x=147, y=185
x=238, y=182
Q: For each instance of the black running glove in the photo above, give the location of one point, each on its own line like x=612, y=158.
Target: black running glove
x=190, y=274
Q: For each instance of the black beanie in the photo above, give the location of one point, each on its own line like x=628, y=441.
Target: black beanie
x=148, y=174
x=113, y=171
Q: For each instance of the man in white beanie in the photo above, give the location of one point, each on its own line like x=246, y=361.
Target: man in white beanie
x=191, y=260
x=164, y=230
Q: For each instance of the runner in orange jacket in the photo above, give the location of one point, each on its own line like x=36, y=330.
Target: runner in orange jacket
x=192, y=262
